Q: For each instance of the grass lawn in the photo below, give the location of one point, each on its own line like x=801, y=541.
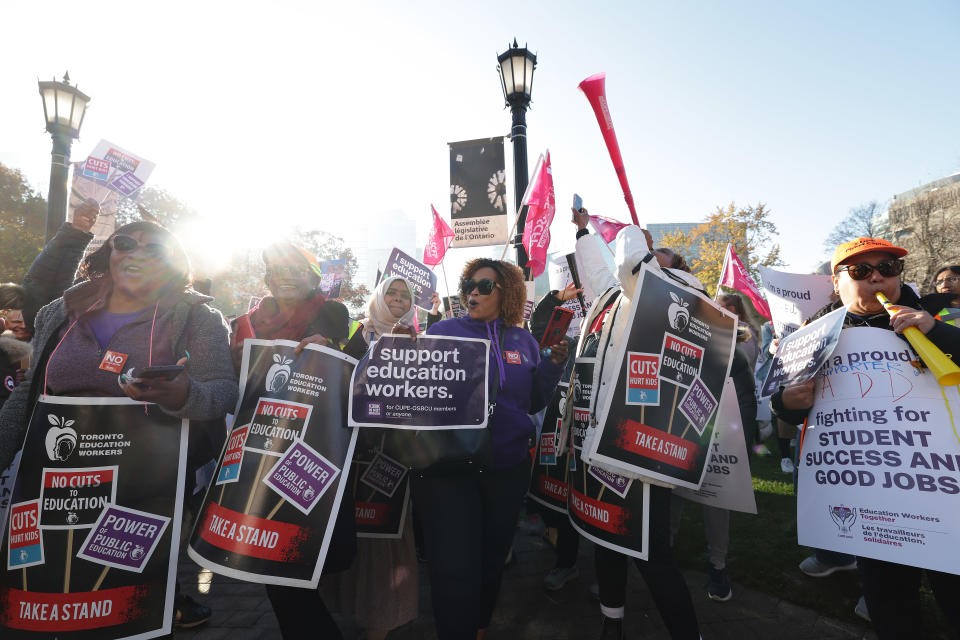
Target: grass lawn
x=764, y=553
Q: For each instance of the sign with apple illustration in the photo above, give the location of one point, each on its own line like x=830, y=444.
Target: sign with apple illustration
x=678, y=339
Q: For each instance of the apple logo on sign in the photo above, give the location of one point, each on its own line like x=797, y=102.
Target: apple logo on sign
x=279, y=373
x=677, y=313
x=61, y=439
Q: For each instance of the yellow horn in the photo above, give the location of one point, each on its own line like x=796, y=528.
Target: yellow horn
x=947, y=373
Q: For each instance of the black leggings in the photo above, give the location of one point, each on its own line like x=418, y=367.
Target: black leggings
x=468, y=524
x=660, y=572
x=302, y=614
x=568, y=540
x=892, y=592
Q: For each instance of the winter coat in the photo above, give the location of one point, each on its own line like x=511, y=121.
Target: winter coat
x=194, y=327
x=54, y=269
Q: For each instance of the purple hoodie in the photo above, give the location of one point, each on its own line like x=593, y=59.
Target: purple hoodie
x=526, y=382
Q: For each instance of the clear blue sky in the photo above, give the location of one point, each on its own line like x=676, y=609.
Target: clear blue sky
x=261, y=115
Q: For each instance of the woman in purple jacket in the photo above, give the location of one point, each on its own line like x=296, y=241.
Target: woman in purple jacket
x=469, y=516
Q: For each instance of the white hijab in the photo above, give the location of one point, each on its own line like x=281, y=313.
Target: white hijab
x=380, y=319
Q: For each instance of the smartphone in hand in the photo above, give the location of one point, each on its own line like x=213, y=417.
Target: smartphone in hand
x=165, y=372
x=577, y=202
x=557, y=327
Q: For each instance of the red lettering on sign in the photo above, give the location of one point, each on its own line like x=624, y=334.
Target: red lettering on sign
x=252, y=536
x=60, y=612
x=553, y=488
x=372, y=514
x=76, y=479
x=113, y=361
x=655, y=444
x=281, y=410
x=513, y=357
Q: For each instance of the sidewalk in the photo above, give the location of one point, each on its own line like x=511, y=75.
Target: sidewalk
x=526, y=611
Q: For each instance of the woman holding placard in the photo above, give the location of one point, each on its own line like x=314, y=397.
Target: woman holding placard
x=862, y=269
x=469, y=515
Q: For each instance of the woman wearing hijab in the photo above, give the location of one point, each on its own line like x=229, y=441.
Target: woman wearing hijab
x=469, y=515
x=380, y=590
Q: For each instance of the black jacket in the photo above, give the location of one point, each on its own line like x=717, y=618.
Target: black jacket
x=54, y=269
x=945, y=336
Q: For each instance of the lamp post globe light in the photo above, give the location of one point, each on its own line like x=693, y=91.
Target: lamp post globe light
x=516, y=66
x=63, y=108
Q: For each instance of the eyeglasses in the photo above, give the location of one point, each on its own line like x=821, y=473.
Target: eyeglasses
x=484, y=286
x=945, y=281
x=291, y=271
x=862, y=271
x=128, y=244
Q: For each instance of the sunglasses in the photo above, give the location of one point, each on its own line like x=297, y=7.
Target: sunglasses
x=862, y=271
x=484, y=286
x=128, y=244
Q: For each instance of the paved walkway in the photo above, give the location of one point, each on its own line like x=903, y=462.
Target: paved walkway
x=527, y=612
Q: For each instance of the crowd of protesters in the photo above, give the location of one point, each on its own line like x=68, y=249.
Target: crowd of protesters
x=133, y=295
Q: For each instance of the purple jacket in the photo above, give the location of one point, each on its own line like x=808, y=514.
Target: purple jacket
x=526, y=383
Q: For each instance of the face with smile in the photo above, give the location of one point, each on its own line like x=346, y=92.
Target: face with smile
x=398, y=298
x=16, y=324
x=859, y=296
x=289, y=279
x=483, y=307
x=143, y=270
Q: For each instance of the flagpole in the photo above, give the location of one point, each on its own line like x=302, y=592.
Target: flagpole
x=723, y=270
x=516, y=220
x=446, y=283
x=602, y=240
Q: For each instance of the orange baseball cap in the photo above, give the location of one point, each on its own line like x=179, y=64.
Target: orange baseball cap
x=863, y=245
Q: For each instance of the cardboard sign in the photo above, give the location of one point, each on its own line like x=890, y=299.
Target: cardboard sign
x=331, y=279
x=794, y=297
x=233, y=455
x=801, y=354
x=92, y=547
x=302, y=476
x=274, y=523
x=643, y=382
x=384, y=474
x=96, y=168
x=604, y=516
x=422, y=280
x=561, y=275
x=126, y=184
x=383, y=488
x=727, y=483
x=878, y=471
x=695, y=340
x=124, y=538
x=434, y=382
x=548, y=484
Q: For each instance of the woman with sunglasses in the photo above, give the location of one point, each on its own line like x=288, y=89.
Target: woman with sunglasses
x=469, y=516
x=136, y=305
x=297, y=310
x=861, y=268
x=381, y=588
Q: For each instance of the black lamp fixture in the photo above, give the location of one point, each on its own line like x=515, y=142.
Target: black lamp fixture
x=516, y=66
x=63, y=109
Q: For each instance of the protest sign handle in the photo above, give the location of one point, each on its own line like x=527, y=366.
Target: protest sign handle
x=446, y=285
x=223, y=488
x=513, y=230
x=600, y=495
x=373, y=494
x=256, y=484
x=273, y=511
x=24, y=570
x=673, y=409
x=66, y=568
x=103, y=574
x=685, y=429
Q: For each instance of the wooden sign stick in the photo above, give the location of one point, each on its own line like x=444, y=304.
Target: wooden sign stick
x=66, y=569
x=103, y=574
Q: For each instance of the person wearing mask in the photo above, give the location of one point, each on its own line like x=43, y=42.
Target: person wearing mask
x=469, y=516
x=861, y=268
x=380, y=589
x=660, y=570
x=296, y=310
x=135, y=299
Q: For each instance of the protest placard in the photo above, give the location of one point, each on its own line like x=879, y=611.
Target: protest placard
x=92, y=545
x=421, y=278
x=454, y=307
x=548, y=484
x=381, y=488
x=727, y=483
x=433, y=382
x=85, y=188
x=879, y=469
x=273, y=523
x=123, y=162
x=560, y=275
x=694, y=340
x=478, y=193
x=801, y=354
x=794, y=297
x=332, y=279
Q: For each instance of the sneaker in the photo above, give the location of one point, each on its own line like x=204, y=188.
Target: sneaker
x=557, y=578
x=786, y=465
x=816, y=569
x=612, y=628
x=861, y=609
x=719, y=586
x=188, y=613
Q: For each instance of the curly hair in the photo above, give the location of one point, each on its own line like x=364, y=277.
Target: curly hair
x=513, y=293
x=96, y=266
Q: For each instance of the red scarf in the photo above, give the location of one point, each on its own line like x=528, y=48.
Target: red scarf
x=272, y=324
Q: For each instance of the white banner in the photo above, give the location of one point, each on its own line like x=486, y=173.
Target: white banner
x=794, y=297
x=727, y=483
x=880, y=463
x=558, y=271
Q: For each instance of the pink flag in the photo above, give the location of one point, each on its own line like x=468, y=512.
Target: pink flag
x=542, y=206
x=606, y=227
x=736, y=276
x=438, y=242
